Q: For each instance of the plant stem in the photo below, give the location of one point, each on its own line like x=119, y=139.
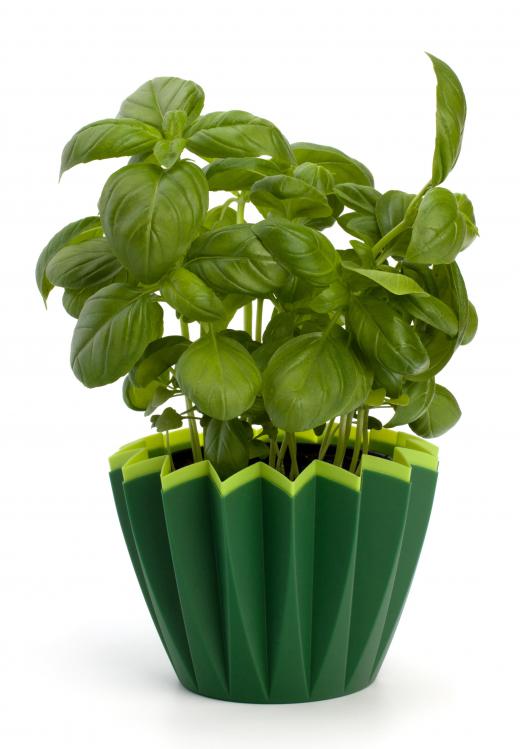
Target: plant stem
x=281, y=455
x=241, y=204
x=357, y=442
x=258, y=327
x=273, y=451
x=168, y=450
x=345, y=425
x=192, y=424
x=291, y=440
x=366, y=435
x=328, y=434
x=402, y=226
x=248, y=318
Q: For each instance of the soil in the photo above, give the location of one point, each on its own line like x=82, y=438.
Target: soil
x=306, y=454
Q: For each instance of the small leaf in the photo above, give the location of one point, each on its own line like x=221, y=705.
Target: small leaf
x=156, y=98
x=450, y=119
x=360, y=198
x=85, y=264
x=316, y=176
x=234, y=174
x=375, y=398
x=419, y=395
x=289, y=197
x=190, y=296
x=360, y=225
x=158, y=356
x=227, y=445
x=390, y=211
x=219, y=376
x=342, y=167
x=168, y=152
x=442, y=413
x=108, y=139
x=160, y=395
x=138, y=398
x=169, y=419
x=395, y=283
x=219, y=216
x=114, y=328
x=471, y=328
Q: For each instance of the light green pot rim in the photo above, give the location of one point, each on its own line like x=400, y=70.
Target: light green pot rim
x=404, y=450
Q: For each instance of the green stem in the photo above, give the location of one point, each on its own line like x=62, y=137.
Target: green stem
x=281, y=455
x=365, y=432
x=192, y=424
x=273, y=451
x=241, y=204
x=293, y=451
x=258, y=327
x=168, y=450
x=248, y=318
x=326, y=439
x=345, y=425
x=357, y=442
x=402, y=226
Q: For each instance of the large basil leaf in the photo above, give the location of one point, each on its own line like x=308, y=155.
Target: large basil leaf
x=219, y=376
x=442, y=413
x=316, y=176
x=233, y=259
x=450, y=119
x=342, y=167
x=303, y=251
x=395, y=283
x=88, y=263
x=191, y=297
x=419, y=395
x=360, y=198
x=77, y=231
x=237, y=133
x=313, y=378
x=238, y=173
x=432, y=311
x=114, y=328
x=151, y=233
x=107, y=139
x=158, y=356
x=154, y=99
x=440, y=230
x=386, y=338
x=226, y=445
x=289, y=197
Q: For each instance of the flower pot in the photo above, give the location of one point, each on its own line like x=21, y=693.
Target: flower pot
x=268, y=590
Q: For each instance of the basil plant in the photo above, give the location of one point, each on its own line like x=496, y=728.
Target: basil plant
x=328, y=333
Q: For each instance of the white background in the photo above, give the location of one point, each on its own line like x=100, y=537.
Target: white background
x=80, y=662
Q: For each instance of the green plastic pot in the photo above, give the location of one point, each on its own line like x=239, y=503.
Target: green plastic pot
x=268, y=590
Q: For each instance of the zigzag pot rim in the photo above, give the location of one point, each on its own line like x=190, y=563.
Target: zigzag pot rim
x=267, y=590
x=148, y=455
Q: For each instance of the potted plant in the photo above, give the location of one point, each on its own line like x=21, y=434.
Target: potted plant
x=276, y=537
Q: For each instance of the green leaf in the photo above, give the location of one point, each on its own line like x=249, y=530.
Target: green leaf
x=152, y=101
x=168, y=152
x=471, y=328
x=434, y=312
x=226, y=445
x=395, y=283
x=289, y=197
x=375, y=398
x=174, y=123
x=342, y=167
x=160, y=395
x=106, y=139
x=301, y=250
x=190, y=296
x=114, y=328
x=234, y=174
x=312, y=378
x=419, y=395
x=360, y=225
x=73, y=300
x=138, y=398
x=219, y=216
x=237, y=133
x=385, y=338
x=219, y=376
x=77, y=231
x=233, y=259
x=440, y=230
x=316, y=176
x=85, y=264
x=442, y=413
x=151, y=232
x=360, y=198
x=450, y=119
x=330, y=299
x=169, y=419
x=390, y=211
x=158, y=356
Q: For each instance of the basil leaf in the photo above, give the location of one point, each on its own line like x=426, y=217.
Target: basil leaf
x=385, y=338
x=440, y=230
x=434, y=312
x=88, y=263
x=237, y=133
x=151, y=233
x=219, y=216
x=219, y=376
x=289, y=197
x=360, y=198
x=300, y=249
x=77, y=231
x=73, y=300
x=316, y=176
x=313, y=378
x=106, y=139
x=342, y=167
x=161, y=395
x=233, y=259
x=226, y=445
x=168, y=152
x=190, y=296
x=238, y=173
x=114, y=328
x=471, y=328
x=158, y=356
x=442, y=413
x=360, y=225
x=392, y=382
x=395, y=283
x=152, y=101
x=138, y=398
x=169, y=419
x=390, y=211
x=420, y=395
x=450, y=119
x=330, y=299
